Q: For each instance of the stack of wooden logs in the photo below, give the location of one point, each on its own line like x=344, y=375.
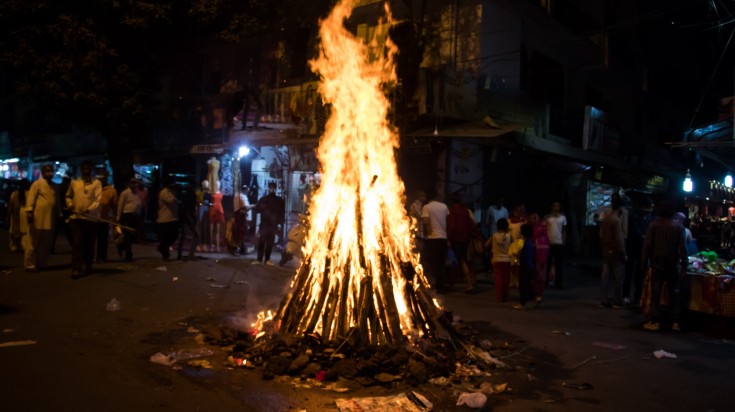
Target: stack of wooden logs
x=357, y=296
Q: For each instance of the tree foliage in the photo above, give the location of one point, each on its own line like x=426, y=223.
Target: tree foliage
x=104, y=60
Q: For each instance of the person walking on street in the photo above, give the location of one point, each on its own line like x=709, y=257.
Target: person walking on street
x=41, y=207
x=500, y=243
x=272, y=210
x=639, y=221
x=128, y=214
x=83, y=199
x=556, y=226
x=526, y=268
x=459, y=227
x=168, y=218
x=664, y=253
x=188, y=219
x=108, y=202
x=61, y=219
x=612, y=240
x=434, y=216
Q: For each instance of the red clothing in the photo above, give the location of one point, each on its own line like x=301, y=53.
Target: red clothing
x=216, y=211
x=458, y=223
x=541, y=237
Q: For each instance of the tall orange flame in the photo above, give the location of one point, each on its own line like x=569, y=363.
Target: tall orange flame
x=360, y=270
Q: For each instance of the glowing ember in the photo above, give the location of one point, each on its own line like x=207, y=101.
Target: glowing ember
x=360, y=274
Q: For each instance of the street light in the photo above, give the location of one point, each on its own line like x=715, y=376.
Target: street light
x=688, y=185
x=243, y=151
x=728, y=180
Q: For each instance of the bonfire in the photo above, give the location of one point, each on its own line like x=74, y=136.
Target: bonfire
x=360, y=277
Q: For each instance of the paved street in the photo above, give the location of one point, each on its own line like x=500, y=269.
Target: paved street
x=86, y=358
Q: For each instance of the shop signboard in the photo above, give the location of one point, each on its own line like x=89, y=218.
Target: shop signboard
x=207, y=149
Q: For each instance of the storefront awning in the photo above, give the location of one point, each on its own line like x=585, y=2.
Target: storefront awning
x=616, y=171
x=271, y=135
x=480, y=130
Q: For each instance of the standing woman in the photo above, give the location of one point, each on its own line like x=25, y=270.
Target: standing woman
x=541, y=238
x=18, y=224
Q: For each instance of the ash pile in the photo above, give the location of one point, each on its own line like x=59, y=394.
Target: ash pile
x=465, y=359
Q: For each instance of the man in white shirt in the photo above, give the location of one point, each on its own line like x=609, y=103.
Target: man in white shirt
x=434, y=216
x=128, y=212
x=83, y=200
x=556, y=226
x=494, y=213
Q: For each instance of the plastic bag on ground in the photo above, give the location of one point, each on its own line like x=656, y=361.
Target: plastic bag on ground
x=663, y=354
x=473, y=400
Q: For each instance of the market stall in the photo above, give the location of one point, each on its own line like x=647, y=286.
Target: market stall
x=709, y=286
x=711, y=281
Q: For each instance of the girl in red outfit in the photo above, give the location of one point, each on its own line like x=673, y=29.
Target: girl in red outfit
x=500, y=242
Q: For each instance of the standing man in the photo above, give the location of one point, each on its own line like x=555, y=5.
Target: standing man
x=128, y=214
x=612, y=239
x=83, y=199
x=62, y=217
x=272, y=211
x=556, y=226
x=459, y=228
x=664, y=252
x=108, y=201
x=496, y=212
x=188, y=221
x=639, y=222
x=40, y=211
x=434, y=215
x=168, y=217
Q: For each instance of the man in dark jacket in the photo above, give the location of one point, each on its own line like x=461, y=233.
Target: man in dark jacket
x=664, y=252
x=272, y=211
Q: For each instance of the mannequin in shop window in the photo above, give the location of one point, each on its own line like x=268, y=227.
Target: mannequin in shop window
x=216, y=219
x=213, y=172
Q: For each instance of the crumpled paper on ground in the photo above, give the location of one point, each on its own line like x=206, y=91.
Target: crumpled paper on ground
x=395, y=403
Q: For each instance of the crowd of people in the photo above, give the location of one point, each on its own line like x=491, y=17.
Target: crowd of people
x=521, y=250
x=90, y=212
x=526, y=251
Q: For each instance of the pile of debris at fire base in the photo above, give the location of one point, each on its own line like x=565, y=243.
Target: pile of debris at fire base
x=464, y=358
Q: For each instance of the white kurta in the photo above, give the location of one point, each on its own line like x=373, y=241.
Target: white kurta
x=41, y=200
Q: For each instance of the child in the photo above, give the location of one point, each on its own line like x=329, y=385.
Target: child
x=527, y=269
x=500, y=242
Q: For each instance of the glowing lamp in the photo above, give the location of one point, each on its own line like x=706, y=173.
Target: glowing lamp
x=243, y=151
x=728, y=180
x=688, y=186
